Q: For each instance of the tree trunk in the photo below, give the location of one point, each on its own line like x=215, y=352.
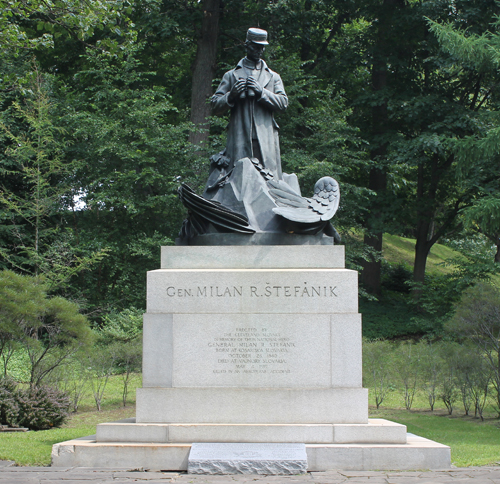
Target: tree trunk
x=383, y=50
x=424, y=222
x=305, y=47
x=204, y=71
x=371, y=273
x=426, y=235
x=422, y=249
x=497, y=255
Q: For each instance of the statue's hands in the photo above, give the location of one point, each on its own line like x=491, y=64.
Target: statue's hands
x=236, y=90
x=254, y=85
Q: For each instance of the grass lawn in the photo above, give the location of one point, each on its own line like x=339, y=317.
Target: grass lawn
x=472, y=442
x=401, y=250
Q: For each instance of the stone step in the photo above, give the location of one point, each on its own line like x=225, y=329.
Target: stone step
x=375, y=431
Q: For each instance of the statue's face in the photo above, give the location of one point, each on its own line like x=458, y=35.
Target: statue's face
x=254, y=51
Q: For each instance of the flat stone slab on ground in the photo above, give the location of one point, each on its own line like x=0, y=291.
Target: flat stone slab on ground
x=247, y=458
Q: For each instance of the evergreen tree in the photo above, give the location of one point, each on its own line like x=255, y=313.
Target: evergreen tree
x=480, y=55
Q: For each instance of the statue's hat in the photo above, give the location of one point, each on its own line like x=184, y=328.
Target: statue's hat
x=257, y=36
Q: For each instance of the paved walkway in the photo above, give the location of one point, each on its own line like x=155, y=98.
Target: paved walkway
x=10, y=474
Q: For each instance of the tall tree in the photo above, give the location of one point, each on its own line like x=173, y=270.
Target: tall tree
x=479, y=54
x=204, y=71
x=133, y=145
x=383, y=50
x=415, y=105
x=35, y=185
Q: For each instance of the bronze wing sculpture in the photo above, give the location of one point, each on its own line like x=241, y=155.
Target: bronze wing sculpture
x=308, y=215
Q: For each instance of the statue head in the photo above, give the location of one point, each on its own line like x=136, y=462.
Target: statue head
x=256, y=43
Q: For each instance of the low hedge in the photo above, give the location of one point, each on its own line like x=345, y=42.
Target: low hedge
x=37, y=408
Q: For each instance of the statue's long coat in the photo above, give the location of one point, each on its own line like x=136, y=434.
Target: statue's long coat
x=244, y=111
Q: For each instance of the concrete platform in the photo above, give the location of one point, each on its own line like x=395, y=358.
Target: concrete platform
x=417, y=453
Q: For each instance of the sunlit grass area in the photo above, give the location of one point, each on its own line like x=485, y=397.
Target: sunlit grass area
x=400, y=250
x=472, y=442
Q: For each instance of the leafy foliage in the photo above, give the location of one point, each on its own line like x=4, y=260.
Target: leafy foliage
x=123, y=327
x=50, y=330
x=478, y=53
x=128, y=123
x=36, y=24
x=441, y=292
x=477, y=318
x=94, y=103
x=397, y=278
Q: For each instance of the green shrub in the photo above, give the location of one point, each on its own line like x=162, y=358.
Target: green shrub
x=121, y=338
x=36, y=408
x=397, y=278
x=392, y=316
x=377, y=367
x=431, y=365
x=9, y=408
x=42, y=408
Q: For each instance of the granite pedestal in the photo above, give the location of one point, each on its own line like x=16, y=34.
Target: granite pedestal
x=253, y=344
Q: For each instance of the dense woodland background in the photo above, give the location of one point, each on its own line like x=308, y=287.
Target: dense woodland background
x=103, y=113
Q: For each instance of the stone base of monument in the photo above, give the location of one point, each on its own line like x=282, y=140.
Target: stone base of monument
x=253, y=344
x=415, y=453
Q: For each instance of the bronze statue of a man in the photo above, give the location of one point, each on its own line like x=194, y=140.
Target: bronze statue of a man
x=252, y=92
x=246, y=191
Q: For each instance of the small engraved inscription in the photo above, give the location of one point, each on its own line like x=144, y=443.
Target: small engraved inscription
x=252, y=350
